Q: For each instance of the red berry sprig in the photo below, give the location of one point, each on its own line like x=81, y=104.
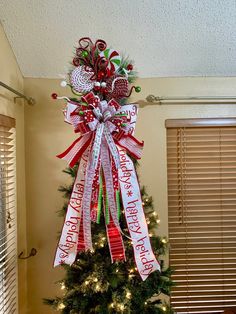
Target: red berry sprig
x=130, y=67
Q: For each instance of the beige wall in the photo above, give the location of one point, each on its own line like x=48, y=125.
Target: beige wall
x=10, y=75
x=47, y=135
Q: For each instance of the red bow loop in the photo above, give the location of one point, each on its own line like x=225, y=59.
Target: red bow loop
x=91, y=99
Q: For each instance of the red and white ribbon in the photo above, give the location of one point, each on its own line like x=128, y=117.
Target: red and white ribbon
x=145, y=259
x=67, y=245
x=107, y=136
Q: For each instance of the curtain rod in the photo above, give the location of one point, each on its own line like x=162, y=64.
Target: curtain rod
x=31, y=101
x=193, y=99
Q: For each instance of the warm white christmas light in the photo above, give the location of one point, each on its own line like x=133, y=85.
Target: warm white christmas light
x=164, y=308
x=95, y=279
x=63, y=286
x=122, y=307
x=128, y=294
x=61, y=306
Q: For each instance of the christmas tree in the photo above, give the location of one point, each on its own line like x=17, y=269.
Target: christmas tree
x=111, y=254
x=95, y=285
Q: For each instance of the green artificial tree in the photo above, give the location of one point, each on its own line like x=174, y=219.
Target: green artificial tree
x=94, y=285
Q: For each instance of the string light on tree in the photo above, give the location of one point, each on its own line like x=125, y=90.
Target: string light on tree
x=164, y=240
x=121, y=307
x=63, y=286
x=128, y=295
x=164, y=308
x=61, y=306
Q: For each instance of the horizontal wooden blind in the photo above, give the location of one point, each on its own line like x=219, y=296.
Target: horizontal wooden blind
x=202, y=214
x=8, y=252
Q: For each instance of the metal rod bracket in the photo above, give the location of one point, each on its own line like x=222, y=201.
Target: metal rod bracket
x=29, y=100
x=33, y=252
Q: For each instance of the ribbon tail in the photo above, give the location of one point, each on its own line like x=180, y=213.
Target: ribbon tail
x=97, y=145
x=115, y=241
x=107, y=170
x=76, y=150
x=67, y=246
x=144, y=257
x=112, y=147
x=86, y=206
x=81, y=244
x=132, y=145
x=96, y=195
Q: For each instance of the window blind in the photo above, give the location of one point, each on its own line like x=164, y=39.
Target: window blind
x=201, y=158
x=8, y=252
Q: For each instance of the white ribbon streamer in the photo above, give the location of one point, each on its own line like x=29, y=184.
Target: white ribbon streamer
x=107, y=169
x=97, y=145
x=67, y=245
x=86, y=206
x=145, y=259
x=112, y=146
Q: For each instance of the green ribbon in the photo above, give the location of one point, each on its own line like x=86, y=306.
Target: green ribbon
x=100, y=200
x=118, y=204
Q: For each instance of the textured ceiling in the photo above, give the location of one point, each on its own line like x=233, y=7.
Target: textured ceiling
x=164, y=37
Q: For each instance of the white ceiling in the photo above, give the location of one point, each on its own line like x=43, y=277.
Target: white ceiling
x=163, y=37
